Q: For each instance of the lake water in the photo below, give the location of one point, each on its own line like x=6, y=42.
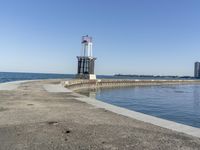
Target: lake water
x=179, y=103
x=12, y=76
x=15, y=76
x=9, y=76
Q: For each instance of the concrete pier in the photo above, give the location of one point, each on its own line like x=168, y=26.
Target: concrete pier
x=44, y=115
x=112, y=83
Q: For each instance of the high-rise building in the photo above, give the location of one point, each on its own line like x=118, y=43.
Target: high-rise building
x=197, y=69
x=86, y=60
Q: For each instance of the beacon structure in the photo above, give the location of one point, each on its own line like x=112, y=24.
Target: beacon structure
x=86, y=61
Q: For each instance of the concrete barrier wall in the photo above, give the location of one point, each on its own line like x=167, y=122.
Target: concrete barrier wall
x=91, y=84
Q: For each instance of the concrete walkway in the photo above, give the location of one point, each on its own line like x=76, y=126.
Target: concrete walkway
x=34, y=115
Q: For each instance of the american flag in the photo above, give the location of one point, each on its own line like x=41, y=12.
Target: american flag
x=86, y=39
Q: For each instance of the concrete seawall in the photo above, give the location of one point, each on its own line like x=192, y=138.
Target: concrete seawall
x=81, y=84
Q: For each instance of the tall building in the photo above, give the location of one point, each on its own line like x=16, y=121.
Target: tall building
x=86, y=61
x=197, y=69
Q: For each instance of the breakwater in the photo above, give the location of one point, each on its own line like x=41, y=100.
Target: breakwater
x=100, y=83
x=72, y=120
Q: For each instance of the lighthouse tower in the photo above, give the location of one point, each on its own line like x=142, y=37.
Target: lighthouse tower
x=86, y=61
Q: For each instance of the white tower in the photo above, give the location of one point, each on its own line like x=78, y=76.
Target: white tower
x=87, y=46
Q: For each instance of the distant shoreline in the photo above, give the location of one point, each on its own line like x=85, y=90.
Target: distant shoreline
x=155, y=76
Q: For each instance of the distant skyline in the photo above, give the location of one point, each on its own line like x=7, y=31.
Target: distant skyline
x=130, y=36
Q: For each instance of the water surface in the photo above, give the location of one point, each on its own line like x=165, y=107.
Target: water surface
x=179, y=103
x=12, y=76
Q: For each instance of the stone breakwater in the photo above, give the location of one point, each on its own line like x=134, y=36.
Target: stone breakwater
x=91, y=84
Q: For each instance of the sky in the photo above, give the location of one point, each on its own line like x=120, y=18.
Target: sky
x=150, y=37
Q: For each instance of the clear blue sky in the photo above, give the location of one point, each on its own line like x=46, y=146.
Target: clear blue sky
x=159, y=37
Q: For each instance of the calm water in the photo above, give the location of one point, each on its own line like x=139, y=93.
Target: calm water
x=7, y=77
x=12, y=76
x=179, y=103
